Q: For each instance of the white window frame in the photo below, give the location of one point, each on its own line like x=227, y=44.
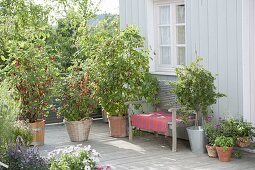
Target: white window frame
x=167, y=69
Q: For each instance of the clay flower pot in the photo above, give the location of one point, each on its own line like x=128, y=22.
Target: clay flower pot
x=211, y=150
x=118, y=126
x=243, y=142
x=224, y=156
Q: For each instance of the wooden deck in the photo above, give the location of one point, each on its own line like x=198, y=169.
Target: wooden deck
x=145, y=152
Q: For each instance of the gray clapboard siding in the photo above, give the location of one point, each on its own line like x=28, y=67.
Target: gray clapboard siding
x=214, y=30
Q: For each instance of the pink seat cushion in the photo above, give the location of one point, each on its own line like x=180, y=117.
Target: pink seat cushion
x=155, y=121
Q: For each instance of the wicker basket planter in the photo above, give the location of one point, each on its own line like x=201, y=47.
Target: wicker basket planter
x=78, y=130
x=243, y=142
x=211, y=150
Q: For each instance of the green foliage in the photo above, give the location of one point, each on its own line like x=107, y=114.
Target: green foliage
x=28, y=65
x=224, y=142
x=195, y=88
x=66, y=35
x=236, y=128
x=23, y=131
x=212, y=131
x=121, y=67
x=77, y=95
x=237, y=154
x=21, y=23
x=9, y=109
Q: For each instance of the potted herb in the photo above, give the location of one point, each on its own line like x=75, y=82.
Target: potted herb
x=121, y=68
x=239, y=130
x=212, y=131
x=78, y=103
x=195, y=90
x=224, y=146
x=244, y=130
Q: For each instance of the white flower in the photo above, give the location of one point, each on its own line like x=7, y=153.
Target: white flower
x=95, y=159
x=87, y=168
x=87, y=148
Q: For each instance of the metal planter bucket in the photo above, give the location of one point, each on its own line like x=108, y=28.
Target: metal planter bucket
x=197, y=139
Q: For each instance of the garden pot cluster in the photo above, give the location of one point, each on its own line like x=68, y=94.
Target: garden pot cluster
x=224, y=134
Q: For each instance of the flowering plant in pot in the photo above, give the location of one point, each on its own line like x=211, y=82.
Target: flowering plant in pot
x=195, y=90
x=78, y=103
x=224, y=146
x=121, y=67
x=212, y=131
x=76, y=157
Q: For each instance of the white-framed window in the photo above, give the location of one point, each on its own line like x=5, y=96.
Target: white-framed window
x=169, y=34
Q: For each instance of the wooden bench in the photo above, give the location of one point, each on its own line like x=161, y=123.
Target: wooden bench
x=163, y=117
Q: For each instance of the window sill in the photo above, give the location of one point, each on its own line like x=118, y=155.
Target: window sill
x=165, y=73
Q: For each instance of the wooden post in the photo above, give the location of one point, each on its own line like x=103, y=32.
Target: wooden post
x=130, y=135
x=174, y=131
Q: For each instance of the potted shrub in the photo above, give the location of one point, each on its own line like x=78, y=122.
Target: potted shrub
x=78, y=103
x=27, y=60
x=212, y=131
x=33, y=77
x=195, y=90
x=121, y=67
x=224, y=146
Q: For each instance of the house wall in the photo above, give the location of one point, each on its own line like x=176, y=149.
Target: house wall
x=249, y=59
x=214, y=30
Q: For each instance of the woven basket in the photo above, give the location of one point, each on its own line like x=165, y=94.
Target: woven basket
x=78, y=130
x=243, y=142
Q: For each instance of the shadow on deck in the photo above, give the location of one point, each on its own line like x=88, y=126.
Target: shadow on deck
x=145, y=152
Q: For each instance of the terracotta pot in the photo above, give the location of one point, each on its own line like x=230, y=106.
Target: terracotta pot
x=224, y=156
x=243, y=142
x=211, y=150
x=118, y=126
x=38, y=129
x=78, y=131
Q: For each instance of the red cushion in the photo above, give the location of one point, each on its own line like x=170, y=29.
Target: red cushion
x=155, y=121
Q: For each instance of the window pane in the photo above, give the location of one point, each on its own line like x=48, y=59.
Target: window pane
x=181, y=55
x=180, y=31
x=165, y=35
x=165, y=55
x=164, y=14
x=180, y=14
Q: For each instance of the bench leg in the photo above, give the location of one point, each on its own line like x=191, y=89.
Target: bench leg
x=174, y=131
x=174, y=140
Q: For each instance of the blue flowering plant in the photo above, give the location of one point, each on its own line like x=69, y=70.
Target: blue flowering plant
x=75, y=158
x=23, y=158
x=212, y=130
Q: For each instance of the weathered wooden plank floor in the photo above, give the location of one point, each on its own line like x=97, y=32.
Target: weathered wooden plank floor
x=145, y=152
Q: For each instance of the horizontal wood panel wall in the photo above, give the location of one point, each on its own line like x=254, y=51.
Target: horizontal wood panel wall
x=214, y=30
